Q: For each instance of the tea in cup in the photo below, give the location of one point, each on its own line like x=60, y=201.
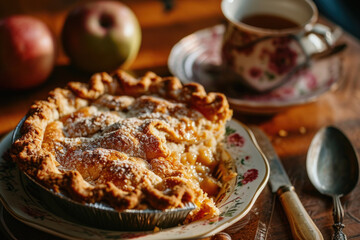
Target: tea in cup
x=265, y=41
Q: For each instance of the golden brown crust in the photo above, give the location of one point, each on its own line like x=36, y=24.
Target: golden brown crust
x=46, y=125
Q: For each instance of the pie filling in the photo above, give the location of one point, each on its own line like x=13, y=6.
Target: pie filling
x=147, y=143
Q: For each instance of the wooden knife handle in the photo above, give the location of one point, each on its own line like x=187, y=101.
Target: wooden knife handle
x=302, y=226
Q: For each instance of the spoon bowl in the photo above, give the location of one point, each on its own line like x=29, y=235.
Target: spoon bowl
x=333, y=168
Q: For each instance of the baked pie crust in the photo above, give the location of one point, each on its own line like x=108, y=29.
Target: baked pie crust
x=147, y=143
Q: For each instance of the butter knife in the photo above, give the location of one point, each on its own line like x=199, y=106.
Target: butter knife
x=302, y=226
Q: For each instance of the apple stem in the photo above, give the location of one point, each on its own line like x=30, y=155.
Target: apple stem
x=106, y=20
x=168, y=5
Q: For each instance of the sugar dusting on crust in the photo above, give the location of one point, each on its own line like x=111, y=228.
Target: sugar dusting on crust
x=148, y=142
x=143, y=142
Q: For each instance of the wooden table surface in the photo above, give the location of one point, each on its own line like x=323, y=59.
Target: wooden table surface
x=290, y=131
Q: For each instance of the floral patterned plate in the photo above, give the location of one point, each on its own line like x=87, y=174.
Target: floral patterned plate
x=250, y=163
x=196, y=58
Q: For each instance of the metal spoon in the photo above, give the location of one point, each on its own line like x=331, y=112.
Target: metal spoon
x=333, y=168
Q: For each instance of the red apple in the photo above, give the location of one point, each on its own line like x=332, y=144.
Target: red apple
x=101, y=36
x=27, y=52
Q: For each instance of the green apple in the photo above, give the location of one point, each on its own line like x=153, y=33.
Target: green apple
x=27, y=52
x=101, y=36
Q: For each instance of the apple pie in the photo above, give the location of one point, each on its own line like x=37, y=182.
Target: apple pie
x=130, y=143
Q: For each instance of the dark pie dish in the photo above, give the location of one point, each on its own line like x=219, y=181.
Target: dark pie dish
x=125, y=154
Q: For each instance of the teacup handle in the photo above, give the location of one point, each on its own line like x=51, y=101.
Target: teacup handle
x=320, y=39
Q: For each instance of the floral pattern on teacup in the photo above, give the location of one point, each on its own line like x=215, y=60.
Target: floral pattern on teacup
x=264, y=63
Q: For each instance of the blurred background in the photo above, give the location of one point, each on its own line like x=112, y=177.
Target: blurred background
x=54, y=12
x=342, y=12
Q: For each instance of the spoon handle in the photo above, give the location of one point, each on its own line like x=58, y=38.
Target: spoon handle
x=338, y=214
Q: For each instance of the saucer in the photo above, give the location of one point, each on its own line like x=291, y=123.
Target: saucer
x=196, y=58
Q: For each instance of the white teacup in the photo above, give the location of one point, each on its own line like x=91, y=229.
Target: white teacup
x=267, y=40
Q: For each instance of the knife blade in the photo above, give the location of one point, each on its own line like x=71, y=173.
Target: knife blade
x=301, y=224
